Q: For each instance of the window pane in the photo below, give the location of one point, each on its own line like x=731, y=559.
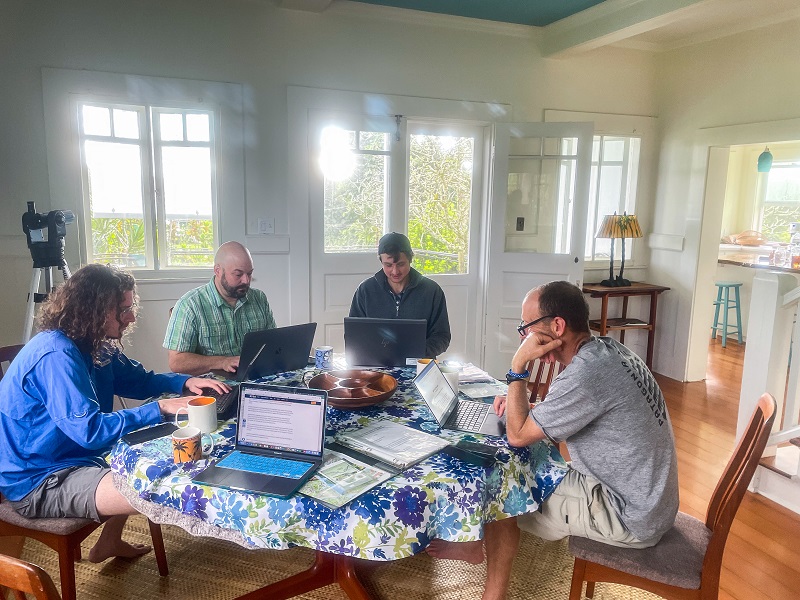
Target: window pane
x=613, y=149
x=781, y=203
x=538, y=211
x=126, y=124
x=188, y=206
x=440, y=196
x=96, y=120
x=525, y=146
x=197, y=127
x=373, y=140
x=115, y=201
x=354, y=206
x=171, y=127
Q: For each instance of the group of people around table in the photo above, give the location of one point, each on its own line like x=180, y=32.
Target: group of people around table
x=57, y=420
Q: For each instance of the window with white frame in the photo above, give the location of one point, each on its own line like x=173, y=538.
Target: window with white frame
x=149, y=189
x=615, y=168
x=781, y=203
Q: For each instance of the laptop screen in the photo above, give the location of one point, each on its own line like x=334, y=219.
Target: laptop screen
x=436, y=392
x=290, y=420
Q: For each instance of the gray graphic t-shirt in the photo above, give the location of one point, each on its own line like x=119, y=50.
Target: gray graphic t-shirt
x=610, y=411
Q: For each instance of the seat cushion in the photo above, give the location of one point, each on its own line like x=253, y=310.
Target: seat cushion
x=56, y=526
x=676, y=560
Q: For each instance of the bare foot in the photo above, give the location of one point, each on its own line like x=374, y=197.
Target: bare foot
x=101, y=551
x=471, y=552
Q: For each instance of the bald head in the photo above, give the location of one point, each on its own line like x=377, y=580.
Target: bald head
x=231, y=252
x=563, y=299
x=233, y=271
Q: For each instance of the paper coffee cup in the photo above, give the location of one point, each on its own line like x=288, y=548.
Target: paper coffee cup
x=422, y=363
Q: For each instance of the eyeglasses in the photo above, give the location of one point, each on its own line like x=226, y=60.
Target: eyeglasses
x=126, y=311
x=522, y=327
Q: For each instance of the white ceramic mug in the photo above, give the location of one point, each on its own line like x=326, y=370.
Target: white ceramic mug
x=202, y=413
x=451, y=374
x=422, y=363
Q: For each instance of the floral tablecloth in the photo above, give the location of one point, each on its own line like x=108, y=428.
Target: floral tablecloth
x=441, y=497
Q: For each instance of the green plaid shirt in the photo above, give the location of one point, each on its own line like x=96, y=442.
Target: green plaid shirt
x=203, y=323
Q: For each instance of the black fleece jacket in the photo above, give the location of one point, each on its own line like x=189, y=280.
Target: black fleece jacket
x=422, y=299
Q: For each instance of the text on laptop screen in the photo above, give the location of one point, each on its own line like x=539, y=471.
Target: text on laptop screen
x=437, y=392
x=293, y=422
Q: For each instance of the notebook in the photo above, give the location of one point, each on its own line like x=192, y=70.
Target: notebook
x=279, y=439
x=383, y=342
x=452, y=412
x=267, y=352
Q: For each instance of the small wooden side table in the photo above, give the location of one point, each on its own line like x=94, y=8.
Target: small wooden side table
x=623, y=323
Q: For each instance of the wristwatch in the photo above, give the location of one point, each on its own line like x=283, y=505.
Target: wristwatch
x=511, y=377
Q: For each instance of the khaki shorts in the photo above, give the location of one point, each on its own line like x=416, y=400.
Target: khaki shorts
x=69, y=492
x=579, y=507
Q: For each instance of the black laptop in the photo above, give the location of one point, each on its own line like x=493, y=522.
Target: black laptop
x=279, y=439
x=383, y=342
x=267, y=352
x=452, y=412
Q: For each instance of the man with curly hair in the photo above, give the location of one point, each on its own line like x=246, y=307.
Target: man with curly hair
x=56, y=419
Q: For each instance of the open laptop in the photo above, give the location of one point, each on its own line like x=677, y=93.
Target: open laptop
x=279, y=440
x=452, y=412
x=267, y=352
x=383, y=342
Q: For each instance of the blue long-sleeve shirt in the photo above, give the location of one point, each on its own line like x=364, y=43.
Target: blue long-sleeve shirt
x=55, y=409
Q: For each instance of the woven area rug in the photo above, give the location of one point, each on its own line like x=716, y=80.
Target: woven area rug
x=211, y=569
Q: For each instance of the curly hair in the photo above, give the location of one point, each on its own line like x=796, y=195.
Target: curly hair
x=79, y=308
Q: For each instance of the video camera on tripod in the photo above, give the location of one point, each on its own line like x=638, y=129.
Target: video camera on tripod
x=45, y=234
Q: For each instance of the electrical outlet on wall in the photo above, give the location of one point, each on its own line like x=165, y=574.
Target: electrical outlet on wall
x=520, y=223
x=266, y=225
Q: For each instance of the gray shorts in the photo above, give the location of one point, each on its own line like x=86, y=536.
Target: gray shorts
x=69, y=492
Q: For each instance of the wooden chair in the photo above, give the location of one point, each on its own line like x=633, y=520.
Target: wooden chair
x=65, y=537
x=686, y=563
x=542, y=375
x=22, y=578
x=7, y=354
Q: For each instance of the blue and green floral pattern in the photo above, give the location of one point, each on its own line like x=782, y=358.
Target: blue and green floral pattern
x=441, y=497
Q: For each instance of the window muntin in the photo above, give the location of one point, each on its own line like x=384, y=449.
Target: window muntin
x=615, y=169
x=125, y=162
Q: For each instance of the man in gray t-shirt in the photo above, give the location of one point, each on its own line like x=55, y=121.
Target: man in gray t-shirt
x=622, y=486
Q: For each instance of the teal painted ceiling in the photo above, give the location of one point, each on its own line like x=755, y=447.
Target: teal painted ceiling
x=523, y=12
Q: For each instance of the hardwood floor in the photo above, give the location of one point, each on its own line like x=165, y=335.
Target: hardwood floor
x=762, y=556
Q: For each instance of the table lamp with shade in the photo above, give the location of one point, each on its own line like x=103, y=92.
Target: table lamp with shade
x=618, y=227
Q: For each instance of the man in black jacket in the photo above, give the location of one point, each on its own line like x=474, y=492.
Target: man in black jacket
x=399, y=291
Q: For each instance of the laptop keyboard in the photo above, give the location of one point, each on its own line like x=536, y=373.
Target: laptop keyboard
x=469, y=416
x=224, y=401
x=264, y=465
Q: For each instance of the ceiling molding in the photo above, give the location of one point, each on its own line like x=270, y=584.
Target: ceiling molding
x=610, y=22
x=306, y=5
x=721, y=32
x=417, y=17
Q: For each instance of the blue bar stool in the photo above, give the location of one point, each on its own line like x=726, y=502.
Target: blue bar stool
x=725, y=302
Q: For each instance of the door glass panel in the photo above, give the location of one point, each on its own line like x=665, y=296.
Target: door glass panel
x=171, y=127
x=440, y=197
x=188, y=206
x=539, y=205
x=531, y=146
x=96, y=120
x=115, y=190
x=354, y=206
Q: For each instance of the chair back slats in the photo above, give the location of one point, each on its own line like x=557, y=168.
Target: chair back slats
x=7, y=354
x=542, y=376
x=26, y=578
x=733, y=484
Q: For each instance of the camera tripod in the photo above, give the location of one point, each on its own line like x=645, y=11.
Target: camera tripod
x=34, y=297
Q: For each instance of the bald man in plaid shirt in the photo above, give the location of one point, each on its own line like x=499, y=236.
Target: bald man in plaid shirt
x=208, y=324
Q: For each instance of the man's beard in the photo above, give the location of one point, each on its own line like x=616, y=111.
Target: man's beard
x=234, y=292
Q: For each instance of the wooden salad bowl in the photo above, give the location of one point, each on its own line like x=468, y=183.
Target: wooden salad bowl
x=348, y=390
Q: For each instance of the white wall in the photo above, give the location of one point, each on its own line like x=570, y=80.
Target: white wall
x=749, y=79
x=266, y=49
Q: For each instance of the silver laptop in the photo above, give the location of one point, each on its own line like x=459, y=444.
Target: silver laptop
x=372, y=342
x=279, y=438
x=452, y=412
